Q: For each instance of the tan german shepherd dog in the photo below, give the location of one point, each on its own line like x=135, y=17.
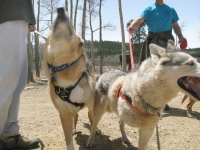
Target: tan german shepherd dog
x=71, y=78
x=195, y=81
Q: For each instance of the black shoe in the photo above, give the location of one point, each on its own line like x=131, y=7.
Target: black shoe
x=166, y=107
x=17, y=141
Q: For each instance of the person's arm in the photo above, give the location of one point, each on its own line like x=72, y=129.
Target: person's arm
x=177, y=31
x=135, y=24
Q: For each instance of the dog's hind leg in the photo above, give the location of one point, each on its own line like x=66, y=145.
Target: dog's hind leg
x=67, y=124
x=90, y=116
x=98, y=112
x=125, y=138
x=144, y=137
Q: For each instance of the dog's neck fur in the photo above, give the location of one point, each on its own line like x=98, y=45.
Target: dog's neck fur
x=67, y=54
x=156, y=91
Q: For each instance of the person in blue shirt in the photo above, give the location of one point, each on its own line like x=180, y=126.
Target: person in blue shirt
x=160, y=20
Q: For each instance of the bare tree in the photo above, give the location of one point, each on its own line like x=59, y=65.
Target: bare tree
x=75, y=13
x=30, y=57
x=66, y=5
x=30, y=60
x=123, y=37
x=137, y=38
x=50, y=7
x=37, y=58
x=92, y=14
x=84, y=19
x=100, y=39
x=71, y=11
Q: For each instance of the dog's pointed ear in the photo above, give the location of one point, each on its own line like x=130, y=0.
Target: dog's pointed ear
x=171, y=46
x=156, y=52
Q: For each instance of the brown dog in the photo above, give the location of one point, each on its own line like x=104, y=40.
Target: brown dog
x=196, y=81
x=71, y=77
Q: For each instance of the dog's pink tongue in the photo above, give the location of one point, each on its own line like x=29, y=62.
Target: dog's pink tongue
x=194, y=87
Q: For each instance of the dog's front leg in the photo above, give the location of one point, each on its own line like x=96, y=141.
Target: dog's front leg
x=90, y=116
x=189, y=108
x=125, y=138
x=144, y=137
x=67, y=124
x=75, y=122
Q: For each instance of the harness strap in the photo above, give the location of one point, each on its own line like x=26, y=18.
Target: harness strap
x=54, y=69
x=121, y=94
x=148, y=106
x=64, y=93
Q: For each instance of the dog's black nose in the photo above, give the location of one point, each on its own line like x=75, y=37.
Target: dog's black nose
x=60, y=10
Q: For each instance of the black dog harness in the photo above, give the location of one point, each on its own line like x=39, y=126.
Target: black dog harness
x=64, y=93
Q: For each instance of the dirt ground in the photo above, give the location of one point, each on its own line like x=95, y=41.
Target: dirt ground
x=38, y=118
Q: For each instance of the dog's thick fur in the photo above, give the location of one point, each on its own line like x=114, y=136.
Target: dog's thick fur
x=156, y=82
x=196, y=81
x=64, y=46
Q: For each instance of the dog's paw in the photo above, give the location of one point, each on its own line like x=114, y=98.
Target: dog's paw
x=190, y=116
x=98, y=131
x=90, y=142
x=126, y=140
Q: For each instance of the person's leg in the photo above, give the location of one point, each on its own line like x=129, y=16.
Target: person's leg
x=9, y=136
x=11, y=127
x=9, y=72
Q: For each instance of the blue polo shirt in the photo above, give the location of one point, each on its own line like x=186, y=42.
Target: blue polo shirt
x=159, y=18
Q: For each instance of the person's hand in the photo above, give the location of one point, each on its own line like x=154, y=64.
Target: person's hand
x=31, y=28
x=183, y=42
x=130, y=29
x=181, y=39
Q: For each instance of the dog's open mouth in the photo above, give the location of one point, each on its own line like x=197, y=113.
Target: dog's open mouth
x=190, y=87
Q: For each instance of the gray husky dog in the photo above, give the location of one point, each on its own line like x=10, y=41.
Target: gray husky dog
x=139, y=98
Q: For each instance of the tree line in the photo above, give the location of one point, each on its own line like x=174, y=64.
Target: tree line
x=89, y=9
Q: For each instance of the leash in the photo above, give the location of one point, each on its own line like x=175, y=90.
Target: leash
x=40, y=34
x=131, y=52
x=157, y=137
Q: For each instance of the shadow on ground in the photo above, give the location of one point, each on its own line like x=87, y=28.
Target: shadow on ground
x=102, y=142
x=179, y=113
